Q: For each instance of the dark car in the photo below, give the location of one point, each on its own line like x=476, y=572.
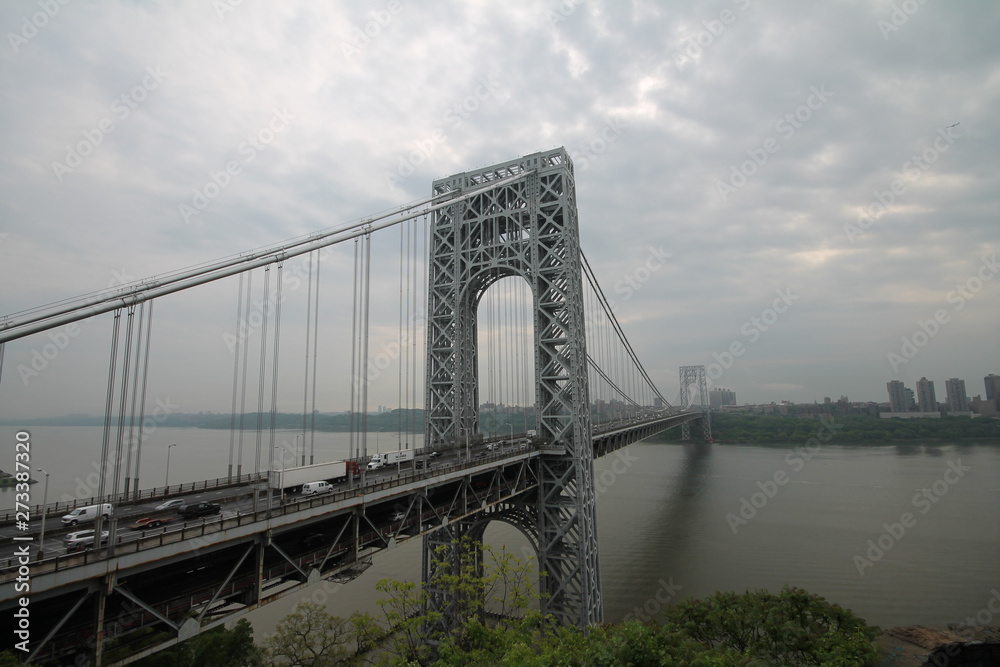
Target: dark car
x=198, y=509
x=314, y=540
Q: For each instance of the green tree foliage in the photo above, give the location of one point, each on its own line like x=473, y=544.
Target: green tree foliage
x=791, y=628
x=502, y=590
x=310, y=637
x=501, y=625
x=218, y=647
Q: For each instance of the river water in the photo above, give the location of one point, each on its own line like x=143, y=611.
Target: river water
x=901, y=534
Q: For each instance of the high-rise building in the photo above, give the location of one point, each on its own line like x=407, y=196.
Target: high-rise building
x=957, y=400
x=993, y=388
x=897, y=396
x=719, y=397
x=925, y=395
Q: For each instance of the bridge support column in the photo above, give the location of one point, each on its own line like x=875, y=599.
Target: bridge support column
x=695, y=375
x=102, y=596
x=526, y=228
x=443, y=554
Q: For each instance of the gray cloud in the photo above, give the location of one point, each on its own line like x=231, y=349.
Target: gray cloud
x=682, y=123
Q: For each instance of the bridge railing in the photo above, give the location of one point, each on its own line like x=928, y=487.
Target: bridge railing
x=157, y=493
x=209, y=525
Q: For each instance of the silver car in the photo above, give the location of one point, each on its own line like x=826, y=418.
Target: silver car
x=171, y=504
x=83, y=539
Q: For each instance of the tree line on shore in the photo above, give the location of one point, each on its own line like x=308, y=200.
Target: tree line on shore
x=500, y=624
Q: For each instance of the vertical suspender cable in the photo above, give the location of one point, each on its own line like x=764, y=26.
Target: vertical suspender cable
x=244, y=333
x=123, y=405
x=417, y=323
x=305, y=380
x=354, y=354
x=427, y=315
x=364, y=355
x=274, y=360
x=236, y=375
x=109, y=403
x=1, y=361
x=312, y=417
x=142, y=400
x=262, y=370
x=135, y=389
x=403, y=231
x=405, y=357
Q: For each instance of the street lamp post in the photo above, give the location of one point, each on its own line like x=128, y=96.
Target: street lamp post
x=45, y=499
x=166, y=479
x=303, y=436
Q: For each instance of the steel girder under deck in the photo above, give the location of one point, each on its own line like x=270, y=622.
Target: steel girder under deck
x=184, y=588
x=526, y=228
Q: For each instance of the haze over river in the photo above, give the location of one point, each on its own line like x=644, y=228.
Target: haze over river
x=931, y=512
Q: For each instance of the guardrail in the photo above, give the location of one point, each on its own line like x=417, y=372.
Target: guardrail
x=9, y=570
x=156, y=493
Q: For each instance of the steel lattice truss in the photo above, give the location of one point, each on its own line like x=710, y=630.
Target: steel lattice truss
x=688, y=376
x=525, y=228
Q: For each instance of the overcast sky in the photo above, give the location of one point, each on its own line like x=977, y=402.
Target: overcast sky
x=782, y=154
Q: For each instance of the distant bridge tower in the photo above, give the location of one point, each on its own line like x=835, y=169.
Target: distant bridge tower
x=525, y=228
x=690, y=375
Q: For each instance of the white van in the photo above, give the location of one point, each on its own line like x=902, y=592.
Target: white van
x=87, y=514
x=311, y=488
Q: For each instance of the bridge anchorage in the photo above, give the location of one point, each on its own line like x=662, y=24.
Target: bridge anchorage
x=148, y=590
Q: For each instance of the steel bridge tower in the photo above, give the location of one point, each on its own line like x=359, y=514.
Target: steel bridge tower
x=695, y=375
x=526, y=228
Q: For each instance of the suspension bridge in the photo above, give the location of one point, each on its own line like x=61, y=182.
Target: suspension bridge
x=500, y=316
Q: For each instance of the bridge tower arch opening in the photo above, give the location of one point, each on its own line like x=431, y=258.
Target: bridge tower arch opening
x=506, y=371
x=526, y=227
